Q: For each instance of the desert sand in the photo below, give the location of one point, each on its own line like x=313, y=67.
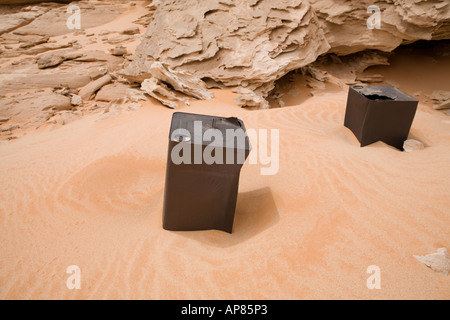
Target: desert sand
x=90, y=193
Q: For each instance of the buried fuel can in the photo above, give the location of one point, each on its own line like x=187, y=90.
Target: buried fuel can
x=380, y=113
x=205, y=157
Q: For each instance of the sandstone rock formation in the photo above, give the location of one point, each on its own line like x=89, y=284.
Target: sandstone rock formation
x=401, y=21
x=49, y=73
x=15, y=20
x=29, y=1
x=160, y=92
x=41, y=19
x=89, y=90
x=441, y=98
x=247, y=44
x=250, y=44
x=49, y=60
x=33, y=108
x=112, y=92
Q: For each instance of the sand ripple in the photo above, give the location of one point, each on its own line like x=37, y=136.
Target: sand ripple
x=93, y=197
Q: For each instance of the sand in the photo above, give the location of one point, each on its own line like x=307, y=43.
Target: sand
x=90, y=194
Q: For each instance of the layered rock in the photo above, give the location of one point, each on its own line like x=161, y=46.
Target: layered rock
x=50, y=74
x=246, y=44
x=29, y=1
x=250, y=44
x=50, y=18
x=401, y=21
x=92, y=15
x=12, y=21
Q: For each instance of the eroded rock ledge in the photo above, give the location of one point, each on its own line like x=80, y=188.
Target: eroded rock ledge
x=248, y=45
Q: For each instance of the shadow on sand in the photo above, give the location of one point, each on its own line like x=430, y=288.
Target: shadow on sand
x=255, y=212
